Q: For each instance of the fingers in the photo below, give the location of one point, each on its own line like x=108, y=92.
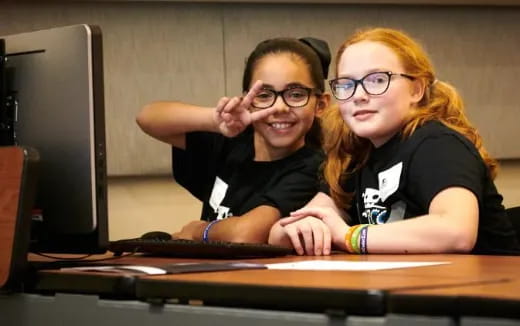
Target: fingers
x=291, y=219
x=231, y=106
x=221, y=104
x=253, y=91
x=317, y=233
x=228, y=119
x=309, y=236
x=322, y=238
x=248, y=99
x=263, y=113
x=294, y=236
x=302, y=213
x=310, y=211
x=301, y=236
x=306, y=233
x=327, y=241
x=243, y=103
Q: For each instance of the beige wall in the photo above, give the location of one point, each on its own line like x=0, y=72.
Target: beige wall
x=195, y=52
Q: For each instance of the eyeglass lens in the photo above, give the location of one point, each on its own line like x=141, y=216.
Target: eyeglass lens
x=374, y=84
x=293, y=97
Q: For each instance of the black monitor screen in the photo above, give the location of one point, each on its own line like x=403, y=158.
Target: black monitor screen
x=54, y=78
x=6, y=131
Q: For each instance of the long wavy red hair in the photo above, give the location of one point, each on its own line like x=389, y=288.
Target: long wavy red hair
x=347, y=152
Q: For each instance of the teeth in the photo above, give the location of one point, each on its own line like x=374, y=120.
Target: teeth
x=280, y=125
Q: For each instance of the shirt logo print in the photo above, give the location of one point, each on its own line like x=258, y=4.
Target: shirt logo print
x=374, y=212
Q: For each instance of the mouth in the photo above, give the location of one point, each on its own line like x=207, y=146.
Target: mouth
x=281, y=125
x=363, y=114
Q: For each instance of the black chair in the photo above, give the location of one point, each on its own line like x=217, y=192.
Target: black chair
x=514, y=216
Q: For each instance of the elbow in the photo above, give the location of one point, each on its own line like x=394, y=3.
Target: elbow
x=463, y=241
x=464, y=246
x=142, y=118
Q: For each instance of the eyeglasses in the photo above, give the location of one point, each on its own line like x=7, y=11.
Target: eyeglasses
x=375, y=83
x=293, y=97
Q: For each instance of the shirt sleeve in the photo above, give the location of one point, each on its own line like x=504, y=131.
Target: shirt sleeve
x=442, y=162
x=349, y=186
x=323, y=186
x=195, y=167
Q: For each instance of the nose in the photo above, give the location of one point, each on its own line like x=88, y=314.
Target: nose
x=280, y=106
x=359, y=93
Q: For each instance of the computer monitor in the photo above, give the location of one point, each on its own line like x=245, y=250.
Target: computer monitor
x=54, y=82
x=5, y=125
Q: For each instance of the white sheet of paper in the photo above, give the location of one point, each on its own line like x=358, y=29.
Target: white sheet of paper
x=335, y=265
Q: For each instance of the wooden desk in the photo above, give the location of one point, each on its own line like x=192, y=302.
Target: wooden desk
x=251, y=296
x=50, y=279
x=488, y=300
x=353, y=292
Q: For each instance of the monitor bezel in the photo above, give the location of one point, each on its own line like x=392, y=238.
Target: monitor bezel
x=54, y=234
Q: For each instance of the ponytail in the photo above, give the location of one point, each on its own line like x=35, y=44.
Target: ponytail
x=443, y=103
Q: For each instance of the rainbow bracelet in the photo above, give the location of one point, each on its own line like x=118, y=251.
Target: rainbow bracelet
x=348, y=237
x=354, y=241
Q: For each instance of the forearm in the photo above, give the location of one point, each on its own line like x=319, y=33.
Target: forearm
x=450, y=226
x=251, y=227
x=423, y=234
x=168, y=120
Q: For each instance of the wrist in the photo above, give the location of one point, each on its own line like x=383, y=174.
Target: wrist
x=339, y=237
x=213, y=123
x=355, y=240
x=205, y=231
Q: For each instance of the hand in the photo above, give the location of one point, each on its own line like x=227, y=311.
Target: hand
x=308, y=235
x=335, y=223
x=232, y=115
x=191, y=231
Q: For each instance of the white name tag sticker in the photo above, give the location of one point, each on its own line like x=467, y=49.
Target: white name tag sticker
x=218, y=193
x=389, y=180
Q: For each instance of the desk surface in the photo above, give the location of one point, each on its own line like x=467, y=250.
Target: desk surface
x=487, y=299
x=356, y=292
x=364, y=292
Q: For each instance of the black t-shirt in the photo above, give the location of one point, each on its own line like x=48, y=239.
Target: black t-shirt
x=402, y=177
x=221, y=172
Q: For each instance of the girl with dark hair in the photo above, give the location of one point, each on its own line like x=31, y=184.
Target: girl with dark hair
x=253, y=158
x=405, y=171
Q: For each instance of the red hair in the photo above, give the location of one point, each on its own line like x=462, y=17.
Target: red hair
x=347, y=152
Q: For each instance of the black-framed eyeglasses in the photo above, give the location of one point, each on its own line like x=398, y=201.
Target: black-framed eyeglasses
x=375, y=83
x=293, y=97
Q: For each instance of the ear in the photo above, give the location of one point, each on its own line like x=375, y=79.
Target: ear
x=417, y=90
x=322, y=104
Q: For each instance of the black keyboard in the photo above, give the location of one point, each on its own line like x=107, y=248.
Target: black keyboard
x=197, y=249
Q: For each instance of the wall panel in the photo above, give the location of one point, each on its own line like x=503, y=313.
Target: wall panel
x=196, y=52
x=154, y=51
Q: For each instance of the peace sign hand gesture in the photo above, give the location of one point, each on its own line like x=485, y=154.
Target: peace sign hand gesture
x=232, y=115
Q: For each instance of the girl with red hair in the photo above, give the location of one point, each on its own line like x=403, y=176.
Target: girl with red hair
x=406, y=172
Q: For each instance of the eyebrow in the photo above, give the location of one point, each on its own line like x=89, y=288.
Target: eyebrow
x=289, y=85
x=366, y=73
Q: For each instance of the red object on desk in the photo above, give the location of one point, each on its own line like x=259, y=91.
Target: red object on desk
x=17, y=186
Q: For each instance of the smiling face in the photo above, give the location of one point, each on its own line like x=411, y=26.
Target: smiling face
x=376, y=117
x=283, y=132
